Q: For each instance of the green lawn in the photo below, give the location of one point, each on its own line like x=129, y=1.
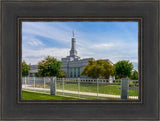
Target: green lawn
x=36, y=95
x=33, y=95
x=103, y=88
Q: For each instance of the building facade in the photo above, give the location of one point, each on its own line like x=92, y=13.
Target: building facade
x=73, y=65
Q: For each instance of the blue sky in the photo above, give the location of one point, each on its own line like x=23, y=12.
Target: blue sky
x=100, y=40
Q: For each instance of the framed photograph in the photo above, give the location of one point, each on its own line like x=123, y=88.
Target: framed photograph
x=80, y=60
x=47, y=69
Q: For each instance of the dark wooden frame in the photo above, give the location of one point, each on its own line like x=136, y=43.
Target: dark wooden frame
x=91, y=19
x=15, y=108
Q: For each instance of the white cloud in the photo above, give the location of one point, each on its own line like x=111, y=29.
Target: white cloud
x=31, y=41
x=106, y=45
x=34, y=42
x=134, y=60
x=108, y=50
x=34, y=56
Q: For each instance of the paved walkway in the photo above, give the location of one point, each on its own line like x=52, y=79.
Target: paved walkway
x=80, y=93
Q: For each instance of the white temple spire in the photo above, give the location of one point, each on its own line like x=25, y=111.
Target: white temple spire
x=73, y=51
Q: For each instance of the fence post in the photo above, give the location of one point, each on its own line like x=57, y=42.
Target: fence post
x=63, y=85
x=53, y=85
x=110, y=79
x=97, y=87
x=79, y=87
x=25, y=81
x=34, y=82
x=124, y=88
x=44, y=82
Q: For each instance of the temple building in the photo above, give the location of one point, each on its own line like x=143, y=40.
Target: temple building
x=73, y=65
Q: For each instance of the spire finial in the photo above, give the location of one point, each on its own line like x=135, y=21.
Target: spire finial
x=73, y=33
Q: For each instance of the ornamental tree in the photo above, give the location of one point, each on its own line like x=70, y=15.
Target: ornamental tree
x=98, y=69
x=49, y=66
x=25, y=69
x=123, y=69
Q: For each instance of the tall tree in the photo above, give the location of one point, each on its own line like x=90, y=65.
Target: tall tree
x=50, y=66
x=134, y=75
x=98, y=69
x=25, y=69
x=123, y=69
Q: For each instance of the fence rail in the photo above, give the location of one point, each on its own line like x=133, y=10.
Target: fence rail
x=80, y=88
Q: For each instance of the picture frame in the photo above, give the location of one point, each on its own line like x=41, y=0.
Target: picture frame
x=14, y=108
x=103, y=19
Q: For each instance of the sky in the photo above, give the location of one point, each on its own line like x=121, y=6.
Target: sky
x=101, y=40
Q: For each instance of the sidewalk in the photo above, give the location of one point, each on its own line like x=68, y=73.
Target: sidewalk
x=81, y=93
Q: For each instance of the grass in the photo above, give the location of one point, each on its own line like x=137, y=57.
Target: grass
x=113, y=89
x=33, y=95
x=103, y=88
x=36, y=95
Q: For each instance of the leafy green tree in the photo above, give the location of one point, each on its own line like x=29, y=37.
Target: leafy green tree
x=25, y=69
x=134, y=75
x=50, y=66
x=98, y=69
x=123, y=69
x=62, y=75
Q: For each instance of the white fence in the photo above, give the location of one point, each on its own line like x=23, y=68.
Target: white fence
x=80, y=88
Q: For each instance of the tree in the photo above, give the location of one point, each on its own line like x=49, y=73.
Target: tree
x=25, y=69
x=98, y=69
x=123, y=69
x=50, y=66
x=134, y=75
x=62, y=75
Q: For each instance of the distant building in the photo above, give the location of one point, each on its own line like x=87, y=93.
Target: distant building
x=72, y=65
x=33, y=72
